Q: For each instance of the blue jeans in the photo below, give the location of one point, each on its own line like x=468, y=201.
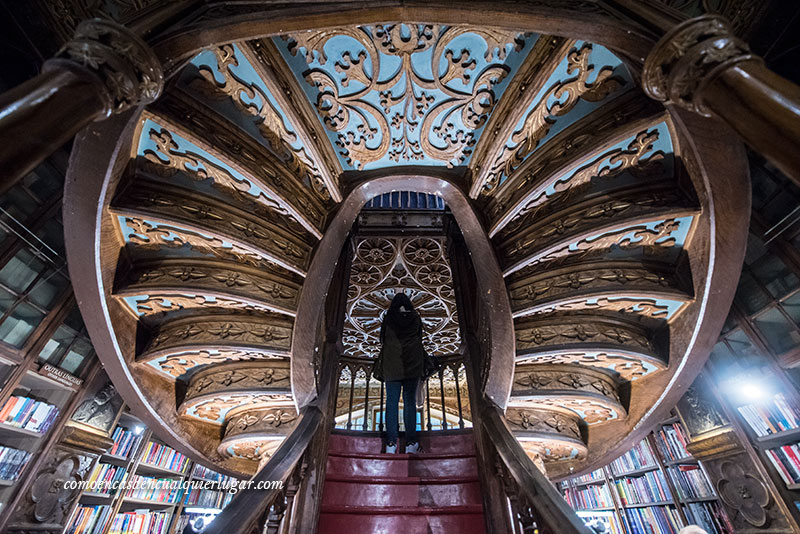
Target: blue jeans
x=409, y=386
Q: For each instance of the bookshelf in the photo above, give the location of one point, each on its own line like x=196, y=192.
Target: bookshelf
x=27, y=419
x=164, y=506
x=657, y=487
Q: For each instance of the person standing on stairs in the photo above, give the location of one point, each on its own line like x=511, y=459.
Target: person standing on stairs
x=401, y=365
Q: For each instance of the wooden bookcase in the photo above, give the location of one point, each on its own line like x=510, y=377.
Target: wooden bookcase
x=118, y=501
x=648, y=485
x=29, y=385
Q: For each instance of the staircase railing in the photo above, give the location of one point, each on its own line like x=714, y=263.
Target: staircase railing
x=361, y=395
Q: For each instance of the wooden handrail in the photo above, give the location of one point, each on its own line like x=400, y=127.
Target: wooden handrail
x=249, y=505
x=548, y=505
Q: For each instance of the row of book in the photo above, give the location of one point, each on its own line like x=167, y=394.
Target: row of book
x=125, y=441
x=639, y=457
x=105, y=477
x=204, y=473
x=12, y=462
x=648, y=488
x=653, y=520
x=140, y=522
x=786, y=460
x=770, y=416
x=27, y=413
x=709, y=517
x=207, y=498
x=165, y=457
x=590, y=477
x=590, y=497
x=690, y=481
x=161, y=490
x=671, y=441
x=89, y=519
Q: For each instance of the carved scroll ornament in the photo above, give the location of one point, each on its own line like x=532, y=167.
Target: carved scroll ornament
x=129, y=72
x=688, y=58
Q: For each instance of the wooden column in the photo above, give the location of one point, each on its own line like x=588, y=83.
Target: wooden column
x=702, y=66
x=104, y=69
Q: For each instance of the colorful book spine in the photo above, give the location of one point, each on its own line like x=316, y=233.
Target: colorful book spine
x=653, y=520
x=105, y=478
x=639, y=457
x=786, y=460
x=690, y=481
x=590, y=497
x=165, y=457
x=12, y=462
x=590, y=477
x=770, y=416
x=125, y=441
x=710, y=517
x=161, y=490
x=140, y=522
x=29, y=414
x=645, y=489
x=207, y=498
x=89, y=520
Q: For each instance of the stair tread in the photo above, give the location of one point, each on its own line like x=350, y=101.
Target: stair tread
x=402, y=510
x=403, y=480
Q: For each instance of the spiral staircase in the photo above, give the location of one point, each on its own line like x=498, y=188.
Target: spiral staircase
x=226, y=199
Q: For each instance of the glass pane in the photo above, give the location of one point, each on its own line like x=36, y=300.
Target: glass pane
x=21, y=270
x=44, y=182
x=764, y=186
x=775, y=275
x=755, y=249
x=74, y=320
x=52, y=233
x=79, y=351
x=16, y=329
x=7, y=300
x=742, y=345
x=730, y=324
x=57, y=344
x=48, y=289
x=750, y=296
x=781, y=335
x=722, y=355
x=791, y=305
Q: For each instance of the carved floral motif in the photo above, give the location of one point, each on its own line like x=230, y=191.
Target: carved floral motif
x=418, y=114
x=744, y=492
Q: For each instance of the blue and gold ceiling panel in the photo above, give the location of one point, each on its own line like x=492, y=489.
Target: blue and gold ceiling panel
x=404, y=93
x=584, y=79
x=225, y=80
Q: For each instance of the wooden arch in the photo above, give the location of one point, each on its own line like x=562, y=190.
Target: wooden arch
x=490, y=279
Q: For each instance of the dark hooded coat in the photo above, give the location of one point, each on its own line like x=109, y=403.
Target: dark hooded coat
x=402, y=353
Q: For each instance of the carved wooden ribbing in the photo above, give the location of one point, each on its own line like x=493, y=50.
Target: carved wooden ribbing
x=576, y=222
x=262, y=421
x=212, y=132
x=225, y=280
x=278, y=77
x=259, y=331
x=538, y=293
x=180, y=364
x=159, y=202
x=581, y=140
x=265, y=376
x=566, y=386
x=554, y=434
x=211, y=407
x=528, y=80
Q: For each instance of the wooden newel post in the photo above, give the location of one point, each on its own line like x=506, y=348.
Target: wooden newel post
x=702, y=66
x=104, y=69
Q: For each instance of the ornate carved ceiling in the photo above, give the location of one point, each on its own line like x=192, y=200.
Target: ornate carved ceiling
x=236, y=173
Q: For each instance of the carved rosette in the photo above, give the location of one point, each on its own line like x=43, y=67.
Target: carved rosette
x=548, y=434
x=129, y=71
x=588, y=392
x=688, y=58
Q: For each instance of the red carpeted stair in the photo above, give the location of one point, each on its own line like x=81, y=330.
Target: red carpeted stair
x=367, y=492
